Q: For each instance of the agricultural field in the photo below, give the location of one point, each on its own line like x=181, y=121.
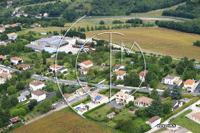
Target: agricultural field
x=62, y=121
x=156, y=40
x=183, y=121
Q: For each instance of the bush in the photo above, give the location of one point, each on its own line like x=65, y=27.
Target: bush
x=103, y=91
x=187, y=96
x=33, y=102
x=127, y=105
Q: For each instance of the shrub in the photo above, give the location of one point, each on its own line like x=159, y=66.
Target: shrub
x=113, y=108
x=127, y=105
x=33, y=102
x=187, y=96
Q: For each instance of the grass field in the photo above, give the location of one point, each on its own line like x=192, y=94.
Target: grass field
x=183, y=121
x=62, y=121
x=157, y=40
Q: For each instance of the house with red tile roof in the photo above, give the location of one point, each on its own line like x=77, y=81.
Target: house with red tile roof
x=36, y=85
x=121, y=74
x=118, y=67
x=23, y=66
x=142, y=75
x=14, y=120
x=143, y=102
x=86, y=64
x=84, y=71
x=190, y=85
x=16, y=60
x=195, y=117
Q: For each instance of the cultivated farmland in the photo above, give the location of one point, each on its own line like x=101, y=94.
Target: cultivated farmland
x=157, y=40
x=62, y=121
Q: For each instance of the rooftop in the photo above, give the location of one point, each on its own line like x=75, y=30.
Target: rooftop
x=196, y=115
x=120, y=72
x=38, y=92
x=144, y=99
x=88, y=62
x=111, y=114
x=55, y=66
x=23, y=65
x=67, y=95
x=143, y=73
x=85, y=69
x=36, y=82
x=189, y=82
x=117, y=66
x=170, y=77
x=5, y=75
x=2, y=57
x=16, y=58
x=15, y=119
x=153, y=119
x=85, y=89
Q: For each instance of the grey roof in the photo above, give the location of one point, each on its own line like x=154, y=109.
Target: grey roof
x=35, y=47
x=21, y=97
x=62, y=68
x=197, y=66
x=170, y=77
x=52, y=41
x=25, y=93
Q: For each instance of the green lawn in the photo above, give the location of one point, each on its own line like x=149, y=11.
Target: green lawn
x=100, y=113
x=125, y=115
x=160, y=130
x=183, y=121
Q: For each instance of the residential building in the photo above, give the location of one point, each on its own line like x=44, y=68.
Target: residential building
x=171, y=80
x=176, y=104
x=118, y=67
x=86, y=64
x=121, y=74
x=14, y=120
x=153, y=121
x=35, y=25
x=55, y=67
x=36, y=85
x=2, y=30
x=111, y=115
x=45, y=14
x=15, y=60
x=190, y=85
x=83, y=90
x=99, y=98
x=21, y=98
x=179, y=130
x=2, y=58
x=12, y=36
x=38, y=95
x=142, y=75
x=4, y=76
x=126, y=91
x=195, y=117
x=197, y=66
x=84, y=71
x=123, y=98
x=23, y=66
x=69, y=97
x=143, y=102
x=62, y=70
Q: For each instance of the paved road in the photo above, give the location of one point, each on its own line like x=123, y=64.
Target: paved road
x=168, y=120
x=9, y=68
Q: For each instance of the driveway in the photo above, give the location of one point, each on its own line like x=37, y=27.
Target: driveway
x=113, y=104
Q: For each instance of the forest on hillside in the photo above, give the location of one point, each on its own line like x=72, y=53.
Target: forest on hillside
x=190, y=10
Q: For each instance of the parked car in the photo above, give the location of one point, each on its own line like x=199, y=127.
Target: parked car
x=132, y=109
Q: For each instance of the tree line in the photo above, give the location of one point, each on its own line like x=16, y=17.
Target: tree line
x=190, y=10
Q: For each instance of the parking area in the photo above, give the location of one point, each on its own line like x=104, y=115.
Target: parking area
x=113, y=104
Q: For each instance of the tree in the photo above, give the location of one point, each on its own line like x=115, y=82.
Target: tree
x=156, y=107
x=11, y=89
x=176, y=92
x=150, y=76
x=153, y=83
x=13, y=100
x=101, y=22
x=156, y=22
x=189, y=75
x=167, y=106
x=167, y=59
x=90, y=72
x=166, y=69
x=154, y=94
x=166, y=92
x=180, y=70
x=4, y=37
x=70, y=15
x=58, y=94
x=44, y=106
x=33, y=102
x=20, y=86
x=6, y=63
x=132, y=79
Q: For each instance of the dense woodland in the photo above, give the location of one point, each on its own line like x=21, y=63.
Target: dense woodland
x=192, y=26
x=190, y=10
x=126, y=7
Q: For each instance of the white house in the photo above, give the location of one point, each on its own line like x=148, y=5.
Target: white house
x=153, y=121
x=2, y=30
x=170, y=80
x=83, y=90
x=45, y=14
x=38, y=95
x=195, y=117
x=15, y=60
x=143, y=102
x=123, y=98
x=190, y=85
x=23, y=66
x=111, y=115
x=54, y=67
x=176, y=104
x=4, y=76
x=142, y=75
x=86, y=64
x=69, y=97
x=12, y=36
x=117, y=67
x=62, y=70
x=121, y=74
x=21, y=98
x=36, y=85
x=84, y=71
x=99, y=98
